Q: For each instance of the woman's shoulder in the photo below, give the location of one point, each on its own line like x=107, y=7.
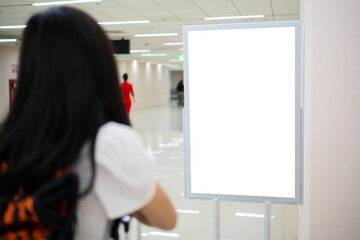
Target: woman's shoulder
x=115, y=126
x=116, y=139
x=124, y=170
x=113, y=131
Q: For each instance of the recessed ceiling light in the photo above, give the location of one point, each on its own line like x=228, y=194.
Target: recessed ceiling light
x=63, y=2
x=124, y=22
x=13, y=27
x=156, y=35
x=8, y=40
x=234, y=17
x=172, y=43
x=154, y=54
x=139, y=50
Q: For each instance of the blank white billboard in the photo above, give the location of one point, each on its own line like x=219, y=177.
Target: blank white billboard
x=242, y=111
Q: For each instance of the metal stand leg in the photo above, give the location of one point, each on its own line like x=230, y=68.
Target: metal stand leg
x=216, y=219
x=267, y=221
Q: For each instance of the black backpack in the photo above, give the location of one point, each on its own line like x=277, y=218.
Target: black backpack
x=49, y=213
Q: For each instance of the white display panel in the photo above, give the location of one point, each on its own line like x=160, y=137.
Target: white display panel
x=242, y=111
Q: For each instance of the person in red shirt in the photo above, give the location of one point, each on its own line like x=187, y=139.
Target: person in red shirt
x=126, y=90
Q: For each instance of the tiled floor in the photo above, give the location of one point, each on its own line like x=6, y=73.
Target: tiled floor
x=161, y=130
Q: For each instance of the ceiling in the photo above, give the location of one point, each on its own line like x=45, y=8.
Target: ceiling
x=166, y=16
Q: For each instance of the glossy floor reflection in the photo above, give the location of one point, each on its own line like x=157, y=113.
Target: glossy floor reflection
x=161, y=131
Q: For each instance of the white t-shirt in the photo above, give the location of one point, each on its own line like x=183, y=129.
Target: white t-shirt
x=123, y=181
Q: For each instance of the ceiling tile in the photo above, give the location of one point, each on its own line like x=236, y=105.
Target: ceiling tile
x=201, y=1
x=252, y=3
x=28, y=9
x=220, y=12
x=286, y=11
x=127, y=16
x=165, y=16
x=290, y=2
x=189, y=13
x=117, y=9
x=173, y=25
x=100, y=17
x=165, y=2
x=146, y=7
x=287, y=17
x=180, y=5
x=216, y=4
x=160, y=16
x=8, y=10
x=12, y=2
x=101, y=4
x=20, y=17
x=256, y=11
x=124, y=30
x=132, y=2
x=199, y=22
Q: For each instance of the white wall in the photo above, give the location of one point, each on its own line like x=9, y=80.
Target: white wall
x=149, y=83
x=331, y=208
x=149, y=80
x=8, y=57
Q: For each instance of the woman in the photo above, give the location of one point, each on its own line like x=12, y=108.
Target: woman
x=68, y=113
x=127, y=89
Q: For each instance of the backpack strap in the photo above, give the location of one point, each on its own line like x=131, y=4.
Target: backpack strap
x=114, y=231
x=55, y=203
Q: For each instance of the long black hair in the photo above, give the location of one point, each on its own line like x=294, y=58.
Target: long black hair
x=68, y=88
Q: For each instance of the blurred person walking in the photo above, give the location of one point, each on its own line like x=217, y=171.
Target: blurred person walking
x=127, y=89
x=180, y=93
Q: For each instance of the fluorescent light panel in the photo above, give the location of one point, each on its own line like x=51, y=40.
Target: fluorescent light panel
x=156, y=35
x=154, y=54
x=241, y=214
x=63, y=2
x=234, y=17
x=173, y=60
x=172, y=43
x=187, y=211
x=124, y=22
x=139, y=50
x=8, y=40
x=163, y=234
x=13, y=27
